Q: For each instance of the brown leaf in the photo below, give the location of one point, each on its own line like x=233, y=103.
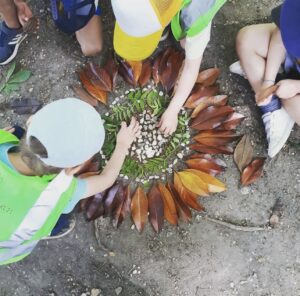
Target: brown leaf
x=182, y=209
x=32, y=25
x=265, y=93
x=232, y=121
x=211, y=117
x=211, y=150
x=99, y=77
x=208, y=77
x=23, y=106
x=205, y=102
x=136, y=67
x=155, y=69
x=139, y=209
x=112, y=69
x=146, y=73
x=164, y=59
x=253, y=171
x=170, y=212
x=243, y=153
x=95, y=208
x=84, y=96
x=90, y=166
x=193, y=183
x=215, y=138
x=97, y=93
x=209, y=166
x=187, y=197
x=118, y=213
x=127, y=202
x=156, y=208
x=109, y=204
x=127, y=73
x=199, y=92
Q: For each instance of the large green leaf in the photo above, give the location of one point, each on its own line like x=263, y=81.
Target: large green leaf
x=10, y=71
x=20, y=76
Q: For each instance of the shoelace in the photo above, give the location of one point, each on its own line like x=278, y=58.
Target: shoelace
x=16, y=39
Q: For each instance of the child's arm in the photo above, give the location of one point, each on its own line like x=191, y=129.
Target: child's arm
x=106, y=179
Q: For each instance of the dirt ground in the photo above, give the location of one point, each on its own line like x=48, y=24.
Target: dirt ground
x=199, y=259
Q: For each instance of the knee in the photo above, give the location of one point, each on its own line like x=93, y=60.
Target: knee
x=92, y=49
x=245, y=39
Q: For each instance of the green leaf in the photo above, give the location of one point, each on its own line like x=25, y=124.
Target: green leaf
x=10, y=87
x=20, y=76
x=10, y=71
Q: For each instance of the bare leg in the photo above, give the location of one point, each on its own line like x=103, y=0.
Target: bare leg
x=252, y=48
x=90, y=37
x=8, y=11
x=292, y=106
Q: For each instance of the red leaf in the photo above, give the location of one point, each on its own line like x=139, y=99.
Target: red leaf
x=112, y=69
x=214, y=138
x=109, y=200
x=118, y=213
x=156, y=208
x=209, y=166
x=99, y=77
x=208, y=77
x=253, y=171
x=95, y=208
x=136, y=67
x=155, y=69
x=232, y=122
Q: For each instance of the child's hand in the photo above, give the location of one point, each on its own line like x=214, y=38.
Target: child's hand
x=23, y=11
x=168, y=122
x=266, y=85
x=128, y=134
x=9, y=129
x=287, y=89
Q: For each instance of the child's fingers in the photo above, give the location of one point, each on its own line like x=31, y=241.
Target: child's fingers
x=133, y=123
x=123, y=125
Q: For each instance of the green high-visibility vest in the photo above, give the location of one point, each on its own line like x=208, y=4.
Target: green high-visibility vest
x=194, y=17
x=28, y=212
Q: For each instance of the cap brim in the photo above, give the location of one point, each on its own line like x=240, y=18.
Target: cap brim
x=135, y=48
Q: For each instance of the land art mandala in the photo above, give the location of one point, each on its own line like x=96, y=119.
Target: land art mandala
x=162, y=177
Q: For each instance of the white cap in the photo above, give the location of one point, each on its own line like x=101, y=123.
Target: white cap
x=71, y=131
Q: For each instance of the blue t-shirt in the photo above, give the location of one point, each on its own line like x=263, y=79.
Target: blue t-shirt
x=81, y=184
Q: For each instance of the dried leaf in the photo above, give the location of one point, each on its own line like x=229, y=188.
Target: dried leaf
x=266, y=93
x=90, y=166
x=209, y=166
x=155, y=69
x=111, y=68
x=193, y=183
x=170, y=212
x=243, y=153
x=205, y=102
x=182, y=209
x=109, y=200
x=199, y=92
x=164, y=59
x=208, y=77
x=127, y=73
x=139, y=209
x=232, y=122
x=187, y=197
x=211, y=117
x=83, y=95
x=118, y=213
x=32, y=25
x=95, y=208
x=211, y=150
x=25, y=106
x=127, y=202
x=97, y=93
x=215, y=138
x=253, y=171
x=136, y=67
x=156, y=208
x=146, y=73
x=99, y=77
x=213, y=184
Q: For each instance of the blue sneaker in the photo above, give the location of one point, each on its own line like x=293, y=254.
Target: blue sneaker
x=10, y=40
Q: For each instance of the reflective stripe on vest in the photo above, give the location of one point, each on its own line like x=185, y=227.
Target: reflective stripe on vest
x=22, y=241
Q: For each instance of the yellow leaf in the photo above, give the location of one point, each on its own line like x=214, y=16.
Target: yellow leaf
x=193, y=183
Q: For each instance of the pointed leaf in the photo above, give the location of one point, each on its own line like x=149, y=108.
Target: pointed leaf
x=25, y=106
x=84, y=96
x=208, y=77
x=111, y=68
x=99, y=77
x=19, y=77
x=146, y=73
x=205, y=102
x=199, y=92
x=127, y=73
x=155, y=69
x=211, y=150
x=232, y=122
x=215, y=138
x=118, y=213
x=10, y=71
x=109, y=200
x=187, y=197
x=182, y=209
x=207, y=166
x=139, y=209
x=211, y=117
x=136, y=67
x=193, y=183
x=31, y=25
x=170, y=212
x=265, y=93
x=95, y=207
x=92, y=165
x=156, y=208
x=253, y=171
x=243, y=153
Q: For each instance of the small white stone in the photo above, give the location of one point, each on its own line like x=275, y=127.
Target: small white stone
x=161, y=93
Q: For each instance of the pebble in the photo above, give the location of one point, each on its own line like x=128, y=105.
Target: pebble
x=118, y=290
x=245, y=190
x=95, y=292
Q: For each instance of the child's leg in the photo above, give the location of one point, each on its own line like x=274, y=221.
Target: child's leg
x=8, y=12
x=252, y=48
x=292, y=106
x=90, y=37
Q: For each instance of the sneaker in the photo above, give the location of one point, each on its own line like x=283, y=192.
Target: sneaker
x=236, y=68
x=278, y=126
x=10, y=40
x=70, y=225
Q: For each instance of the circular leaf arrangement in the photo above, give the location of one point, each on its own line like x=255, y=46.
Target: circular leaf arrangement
x=155, y=186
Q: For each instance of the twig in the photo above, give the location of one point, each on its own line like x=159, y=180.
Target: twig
x=98, y=237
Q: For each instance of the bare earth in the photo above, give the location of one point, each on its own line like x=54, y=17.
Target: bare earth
x=200, y=259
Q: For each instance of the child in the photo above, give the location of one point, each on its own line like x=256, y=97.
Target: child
x=81, y=17
x=139, y=27
x=36, y=175
x=262, y=50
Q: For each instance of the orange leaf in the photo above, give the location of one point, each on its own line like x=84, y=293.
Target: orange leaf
x=84, y=96
x=193, y=183
x=214, y=138
x=209, y=166
x=253, y=171
x=170, y=212
x=213, y=184
x=209, y=101
x=146, y=73
x=112, y=69
x=265, y=93
x=199, y=92
x=99, y=77
x=211, y=117
x=139, y=209
x=156, y=208
x=188, y=197
x=232, y=121
x=208, y=77
x=183, y=211
x=155, y=69
x=211, y=150
x=243, y=153
x=136, y=67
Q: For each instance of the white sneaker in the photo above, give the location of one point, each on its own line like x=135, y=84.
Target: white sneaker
x=278, y=126
x=236, y=68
